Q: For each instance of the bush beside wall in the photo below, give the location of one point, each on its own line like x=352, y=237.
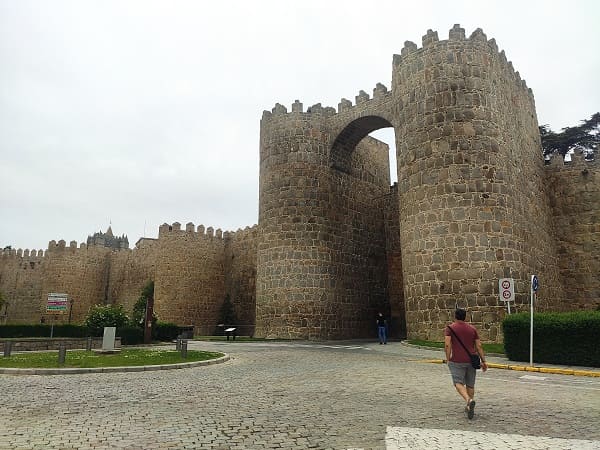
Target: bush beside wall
x=558, y=338
x=130, y=335
x=43, y=330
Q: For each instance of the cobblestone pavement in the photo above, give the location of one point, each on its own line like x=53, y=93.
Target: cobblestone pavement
x=293, y=396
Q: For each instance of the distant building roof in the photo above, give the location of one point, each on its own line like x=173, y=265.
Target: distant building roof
x=108, y=240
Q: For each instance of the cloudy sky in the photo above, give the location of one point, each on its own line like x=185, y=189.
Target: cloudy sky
x=136, y=113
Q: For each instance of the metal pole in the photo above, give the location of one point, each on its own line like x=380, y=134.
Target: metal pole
x=184, y=343
x=7, y=348
x=531, y=325
x=70, y=309
x=62, y=353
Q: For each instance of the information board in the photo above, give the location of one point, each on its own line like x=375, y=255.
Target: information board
x=57, y=303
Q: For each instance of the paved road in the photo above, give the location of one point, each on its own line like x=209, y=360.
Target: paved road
x=298, y=396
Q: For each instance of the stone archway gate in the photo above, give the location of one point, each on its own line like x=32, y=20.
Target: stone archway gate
x=464, y=123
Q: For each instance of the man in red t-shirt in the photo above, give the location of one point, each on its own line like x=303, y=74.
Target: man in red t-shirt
x=459, y=361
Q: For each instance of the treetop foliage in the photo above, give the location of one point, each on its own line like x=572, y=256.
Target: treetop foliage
x=584, y=138
x=101, y=316
x=138, y=315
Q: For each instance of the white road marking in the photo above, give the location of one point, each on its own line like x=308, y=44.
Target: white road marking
x=533, y=378
x=432, y=439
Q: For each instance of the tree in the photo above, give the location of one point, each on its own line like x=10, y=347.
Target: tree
x=3, y=305
x=585, y=138
x=138, y=315
x=101, y=316
x=227, y=314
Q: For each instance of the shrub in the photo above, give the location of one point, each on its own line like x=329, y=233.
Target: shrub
x=131, y=335
x=38, y=330
x=164, y=331
x=101, y=316
x=558, y=338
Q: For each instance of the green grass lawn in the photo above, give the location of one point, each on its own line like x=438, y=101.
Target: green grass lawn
x=84, y=359
x=488, y=348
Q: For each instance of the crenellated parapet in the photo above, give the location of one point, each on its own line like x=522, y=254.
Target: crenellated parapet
x=201, y=231
x=22, y=254
x=61, y=246
x=461, y=49
x=320, y=111
x=248, y=233
x=577, y=161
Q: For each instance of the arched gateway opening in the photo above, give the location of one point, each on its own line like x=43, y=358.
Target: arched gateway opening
x=363, y=156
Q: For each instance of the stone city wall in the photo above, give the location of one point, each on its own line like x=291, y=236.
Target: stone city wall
x=575, y=199
x=474, y=202
x=189, y=285
x=240, y=276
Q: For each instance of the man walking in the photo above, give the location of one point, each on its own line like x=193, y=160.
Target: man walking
x=382, y=329
x=459, y=360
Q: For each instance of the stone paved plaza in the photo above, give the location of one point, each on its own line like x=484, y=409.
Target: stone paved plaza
x=298, y=396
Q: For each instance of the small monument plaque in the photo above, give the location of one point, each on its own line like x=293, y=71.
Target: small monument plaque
x=108, y=341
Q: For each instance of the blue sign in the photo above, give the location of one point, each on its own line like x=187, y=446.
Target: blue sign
x=535, y=283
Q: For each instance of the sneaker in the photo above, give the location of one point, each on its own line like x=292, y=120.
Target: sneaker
x=471, y=409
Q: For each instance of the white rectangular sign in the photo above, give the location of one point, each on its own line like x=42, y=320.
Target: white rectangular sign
x=506, y=287
x=57, y=303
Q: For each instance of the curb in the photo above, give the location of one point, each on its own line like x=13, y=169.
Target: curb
x=553, y=370
x=75, y=370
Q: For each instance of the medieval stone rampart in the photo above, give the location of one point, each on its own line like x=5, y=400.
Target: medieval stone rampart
x=190, y=279
x=470, y=211
x=240, y=275
x=575, y=199
x=335, y=244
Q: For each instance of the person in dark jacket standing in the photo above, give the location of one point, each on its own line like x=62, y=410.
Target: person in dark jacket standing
x=459, y=361
x=382, y=329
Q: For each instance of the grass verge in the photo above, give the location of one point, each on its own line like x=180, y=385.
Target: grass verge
x=487, y=347
x=84, y=359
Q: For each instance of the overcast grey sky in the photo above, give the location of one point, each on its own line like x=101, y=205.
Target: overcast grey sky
x=137, y=113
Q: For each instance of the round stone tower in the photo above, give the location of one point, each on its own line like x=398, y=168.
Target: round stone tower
x=472, y=206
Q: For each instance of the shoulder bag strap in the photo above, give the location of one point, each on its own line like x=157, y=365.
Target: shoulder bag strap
x=461, y=342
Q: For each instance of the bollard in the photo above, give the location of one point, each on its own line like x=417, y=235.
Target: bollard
x=62, y=353
x=7, y=348
x=178, y=345
x=88, y=345
x=184, y=348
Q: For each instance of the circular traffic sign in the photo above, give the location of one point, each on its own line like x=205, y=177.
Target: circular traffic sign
x=506, y=294
x=535, y=283
x=505, y=284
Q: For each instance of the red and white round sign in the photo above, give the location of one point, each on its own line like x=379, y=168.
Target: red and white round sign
x=507, y=289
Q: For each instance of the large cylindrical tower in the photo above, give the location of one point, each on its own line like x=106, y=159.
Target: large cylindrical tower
x=320, y=244
x=472, y=204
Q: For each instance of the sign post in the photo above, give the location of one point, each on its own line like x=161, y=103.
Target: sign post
x=57, y=304
x=534, y=288
x=506, y=288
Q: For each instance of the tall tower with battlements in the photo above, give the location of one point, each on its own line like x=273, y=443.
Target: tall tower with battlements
x=472, y=205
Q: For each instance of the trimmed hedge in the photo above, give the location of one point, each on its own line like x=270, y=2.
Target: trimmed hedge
x=558, y=338
x=43, y=330
x=164, y=331
x=130, y=335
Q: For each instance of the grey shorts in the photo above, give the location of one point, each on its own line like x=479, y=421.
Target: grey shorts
x=462, y=373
